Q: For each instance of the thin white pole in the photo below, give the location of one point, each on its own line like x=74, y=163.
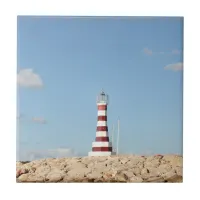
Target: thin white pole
x=113, y=135
x=118, y=139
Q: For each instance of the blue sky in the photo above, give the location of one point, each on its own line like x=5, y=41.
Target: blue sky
x=64, y=62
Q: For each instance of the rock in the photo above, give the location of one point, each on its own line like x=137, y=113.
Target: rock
x=35, y=178
x=109, y=162
x=148, y=176
x=124, y=160
x=158, y=156
x=164, y=168
x=169, y=174
x=24, y=170
x=109, y=174
x=32, y=169
x=129, y=174
x=121, y=177
x=19, y=164
x=136, y=179
x=174, y=179
x=54, y=177
x=140, y=165
x=130, y=168
x=21, y=171
x=163, y=161
x=85, y=180
x=88, y=160
x=103, y=158
x=23, y=178
x=155, y=180
x=179, y=171
x=75, y=165
x=97, y=174
x=90, y=165
x=78, y=173
x=18, y=173
x=144, y=171
x=150, y=158
x=152, y=163
x=151, y=173
x=42, y=170
x=174, y=160
x=100, y=165
x=136, y=170
x=135, y=161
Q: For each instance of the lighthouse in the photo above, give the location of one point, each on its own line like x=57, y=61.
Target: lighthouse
x=102, y=146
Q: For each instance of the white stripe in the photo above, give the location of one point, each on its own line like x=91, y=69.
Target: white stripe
x=102, y=123
x=101, y=144
x=99, y=104
x=101, y=153
x=102, y=113
x=101, y=133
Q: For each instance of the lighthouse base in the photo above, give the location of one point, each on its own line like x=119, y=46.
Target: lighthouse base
x=101, y=153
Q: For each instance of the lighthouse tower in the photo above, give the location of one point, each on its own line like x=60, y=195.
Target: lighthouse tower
x=102, y=146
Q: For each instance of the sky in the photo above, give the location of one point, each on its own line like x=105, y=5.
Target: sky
x=64, y=62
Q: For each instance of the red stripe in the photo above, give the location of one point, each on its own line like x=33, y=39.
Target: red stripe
x=102, y=107
x=102, y=139
x=102, y=128
x=102, y=149
x=102, y=118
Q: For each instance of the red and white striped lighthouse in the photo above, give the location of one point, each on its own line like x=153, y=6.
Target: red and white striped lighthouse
x=102, y=146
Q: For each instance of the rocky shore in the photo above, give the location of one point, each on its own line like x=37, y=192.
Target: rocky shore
x=124, y=168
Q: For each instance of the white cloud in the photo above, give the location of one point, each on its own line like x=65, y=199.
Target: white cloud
x=49, y=153
x=175, y=51
x=60, y=152
x=174, y=67
x=27, y=78
x=39, y=120
x=147, y=51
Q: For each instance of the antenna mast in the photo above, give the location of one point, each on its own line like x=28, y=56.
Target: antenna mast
x=113, y=130
x=118, y=139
